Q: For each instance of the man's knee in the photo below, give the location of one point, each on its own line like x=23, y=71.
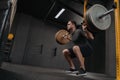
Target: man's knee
x=65, y=51
x=75, y=48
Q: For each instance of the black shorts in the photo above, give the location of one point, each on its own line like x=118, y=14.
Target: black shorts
x=86, y=50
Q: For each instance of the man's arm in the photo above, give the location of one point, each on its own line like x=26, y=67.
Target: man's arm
x=89, y=35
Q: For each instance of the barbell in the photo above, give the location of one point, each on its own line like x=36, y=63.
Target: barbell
x=63, y=36
x=97, y=17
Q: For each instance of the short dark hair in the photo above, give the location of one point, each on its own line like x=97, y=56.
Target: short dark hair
x=73, y=22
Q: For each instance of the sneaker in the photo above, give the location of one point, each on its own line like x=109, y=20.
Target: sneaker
x=72, y=71
x=81, y=72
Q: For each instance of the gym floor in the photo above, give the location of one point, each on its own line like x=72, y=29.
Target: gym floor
x=10, y=71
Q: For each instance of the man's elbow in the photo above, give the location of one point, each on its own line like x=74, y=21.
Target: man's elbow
x=92, y=37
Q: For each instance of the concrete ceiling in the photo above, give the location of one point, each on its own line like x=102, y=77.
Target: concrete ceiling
x=47, y=9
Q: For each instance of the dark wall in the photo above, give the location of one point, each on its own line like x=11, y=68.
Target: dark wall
x=110, y=57
x=34, y=44
x=20, y=29
x=96, y=62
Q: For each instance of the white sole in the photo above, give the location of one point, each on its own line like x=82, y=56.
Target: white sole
x=78, y=75
x=69, y=72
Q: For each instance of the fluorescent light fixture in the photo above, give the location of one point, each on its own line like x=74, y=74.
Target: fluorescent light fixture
x=59, y=13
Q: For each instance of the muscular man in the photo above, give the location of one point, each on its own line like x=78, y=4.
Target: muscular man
x=81, y=48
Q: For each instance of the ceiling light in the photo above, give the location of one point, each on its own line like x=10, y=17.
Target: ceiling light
x=59, y=13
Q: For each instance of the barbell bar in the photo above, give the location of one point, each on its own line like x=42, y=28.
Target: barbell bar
x=109, y=11
x=106, y=13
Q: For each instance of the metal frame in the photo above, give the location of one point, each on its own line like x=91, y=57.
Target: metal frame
x=117, y=33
